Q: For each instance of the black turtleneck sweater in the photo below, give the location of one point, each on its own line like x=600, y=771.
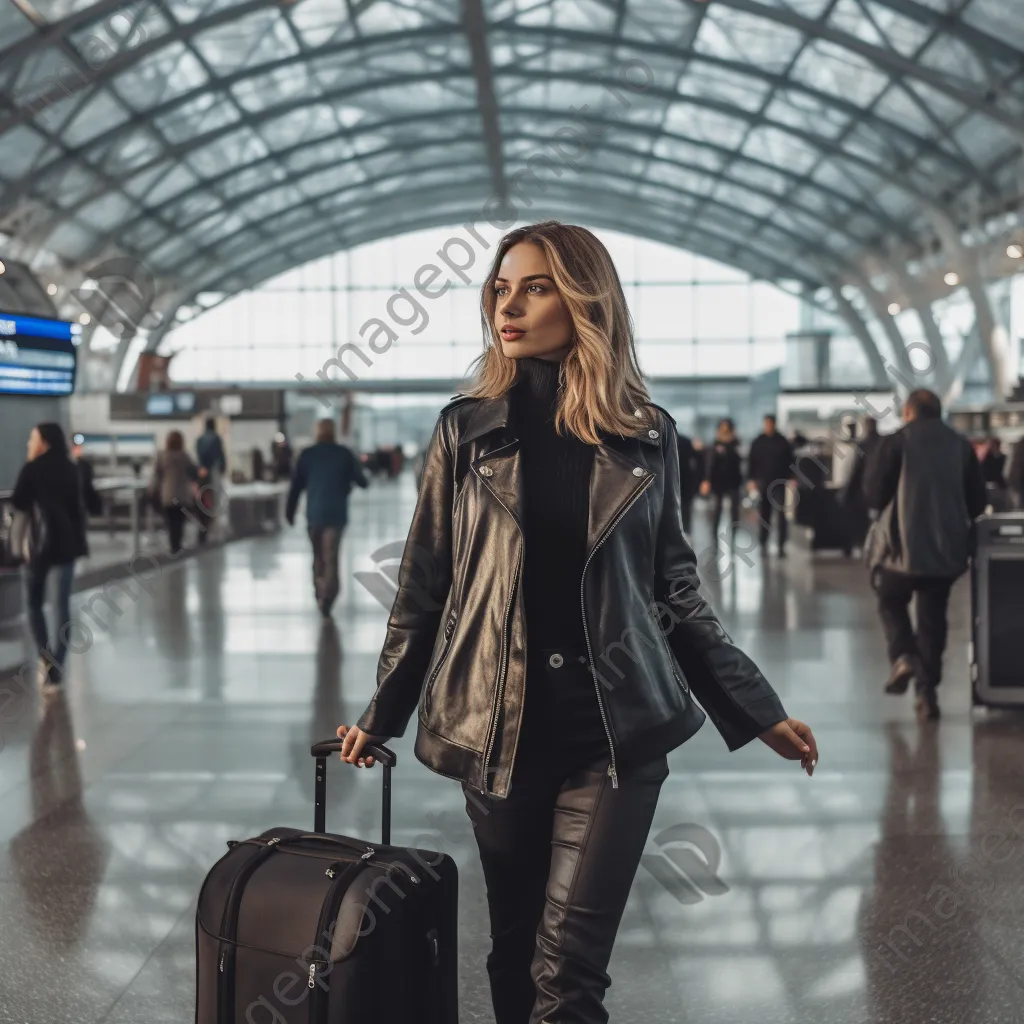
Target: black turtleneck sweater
x=556, y=508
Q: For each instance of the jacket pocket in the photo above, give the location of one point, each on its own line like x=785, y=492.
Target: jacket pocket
x=671, y=657
x=449, y=632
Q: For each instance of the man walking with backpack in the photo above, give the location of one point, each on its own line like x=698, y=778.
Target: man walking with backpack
x=926, y=483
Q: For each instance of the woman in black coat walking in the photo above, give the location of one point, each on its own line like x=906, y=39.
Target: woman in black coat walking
x=49, y=482
x=724, y=475
x=548, y=529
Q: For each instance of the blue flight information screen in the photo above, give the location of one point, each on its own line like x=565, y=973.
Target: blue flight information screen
x=37, y=356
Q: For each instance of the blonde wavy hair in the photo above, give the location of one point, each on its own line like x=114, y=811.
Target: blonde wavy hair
x=600, y=382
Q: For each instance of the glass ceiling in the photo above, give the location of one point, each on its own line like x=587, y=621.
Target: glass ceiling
x=224, y=141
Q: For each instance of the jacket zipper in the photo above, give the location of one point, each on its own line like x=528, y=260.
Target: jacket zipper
x=229, y=931
x=449, y=633
x=612, y=768
x=503, y=661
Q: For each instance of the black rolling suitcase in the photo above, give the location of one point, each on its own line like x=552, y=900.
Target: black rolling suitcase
x=997, y=611
x=310, y=928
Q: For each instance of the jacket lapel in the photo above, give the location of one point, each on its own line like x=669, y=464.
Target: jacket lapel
x=614, y=480
x=615, y=476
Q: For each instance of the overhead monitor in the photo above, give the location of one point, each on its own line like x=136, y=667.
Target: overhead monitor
x=38, y=356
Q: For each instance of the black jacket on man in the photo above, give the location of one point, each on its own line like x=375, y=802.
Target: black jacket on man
x=771, y=458
x=456, y=641
x=932, y=474
x=52, y=482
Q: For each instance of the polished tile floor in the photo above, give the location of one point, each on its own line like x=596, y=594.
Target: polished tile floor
x=886, y=888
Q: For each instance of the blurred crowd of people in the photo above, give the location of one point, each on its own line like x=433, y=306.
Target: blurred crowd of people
x=717, y=472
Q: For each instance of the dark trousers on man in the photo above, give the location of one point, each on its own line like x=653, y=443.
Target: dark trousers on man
x=922, y=647
x=559, y=856
x=326, y=541
x=769, y=506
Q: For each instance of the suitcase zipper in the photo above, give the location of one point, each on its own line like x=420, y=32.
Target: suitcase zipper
x=318, y=999
x=229, y=931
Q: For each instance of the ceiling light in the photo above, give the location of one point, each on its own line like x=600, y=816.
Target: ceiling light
x=952, y=279
x=894, y=308
x=1015, y=251
x=51, y=289
x=84, y=318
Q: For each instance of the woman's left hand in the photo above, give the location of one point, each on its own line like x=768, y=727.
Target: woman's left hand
x=793, y=740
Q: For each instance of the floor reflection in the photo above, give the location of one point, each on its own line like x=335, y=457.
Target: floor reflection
x=61, y=845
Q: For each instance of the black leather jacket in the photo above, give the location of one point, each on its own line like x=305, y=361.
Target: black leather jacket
x=458, y=626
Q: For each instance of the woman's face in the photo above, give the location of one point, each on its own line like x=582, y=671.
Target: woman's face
x=530, y=317
x=36, y=445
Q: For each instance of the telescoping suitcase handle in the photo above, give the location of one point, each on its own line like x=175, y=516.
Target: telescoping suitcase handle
x=321, y=751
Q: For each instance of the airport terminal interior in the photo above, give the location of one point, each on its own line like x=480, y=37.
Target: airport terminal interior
x=231, y=230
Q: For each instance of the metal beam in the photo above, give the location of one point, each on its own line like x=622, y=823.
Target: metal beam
x=955, y=25
x=834, y=262
x=244, y=200
x=965, y=262
x=636, y=218
x=905, y=372
x=920, y=303
x=167, y=207
x=890, y=60
x=474, y=22
x=536, y=115
x=414, y=40
x=848, y=312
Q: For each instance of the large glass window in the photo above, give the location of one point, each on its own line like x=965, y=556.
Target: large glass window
x=693, y=317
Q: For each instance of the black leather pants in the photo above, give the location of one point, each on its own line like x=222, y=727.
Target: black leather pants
x=559, y=856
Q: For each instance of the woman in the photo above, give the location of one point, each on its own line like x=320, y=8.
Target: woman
x=50, y=481
x=724, y=474
x=174, y=476
x=548, y=600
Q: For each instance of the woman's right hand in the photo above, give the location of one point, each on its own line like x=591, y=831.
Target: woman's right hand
x=705, y=488
x=355, y=739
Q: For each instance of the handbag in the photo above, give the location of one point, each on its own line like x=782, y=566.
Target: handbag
x=882, y=544
x=24, y=536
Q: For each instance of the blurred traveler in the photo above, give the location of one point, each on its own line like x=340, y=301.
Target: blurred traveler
x=258, y=464
x=49, y=482
x=993, y=469
x=327, y=470
x=282, y=457
x=1015, y=478
x=724, y=475
x=212, y=466
x=926, y=483
x=691, y=472
x=769, y=468
x=173, y=486
x=90, y=496
x=853, y=499
x=993, y=463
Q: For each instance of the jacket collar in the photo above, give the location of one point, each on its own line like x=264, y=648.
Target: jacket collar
x=493, y=414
